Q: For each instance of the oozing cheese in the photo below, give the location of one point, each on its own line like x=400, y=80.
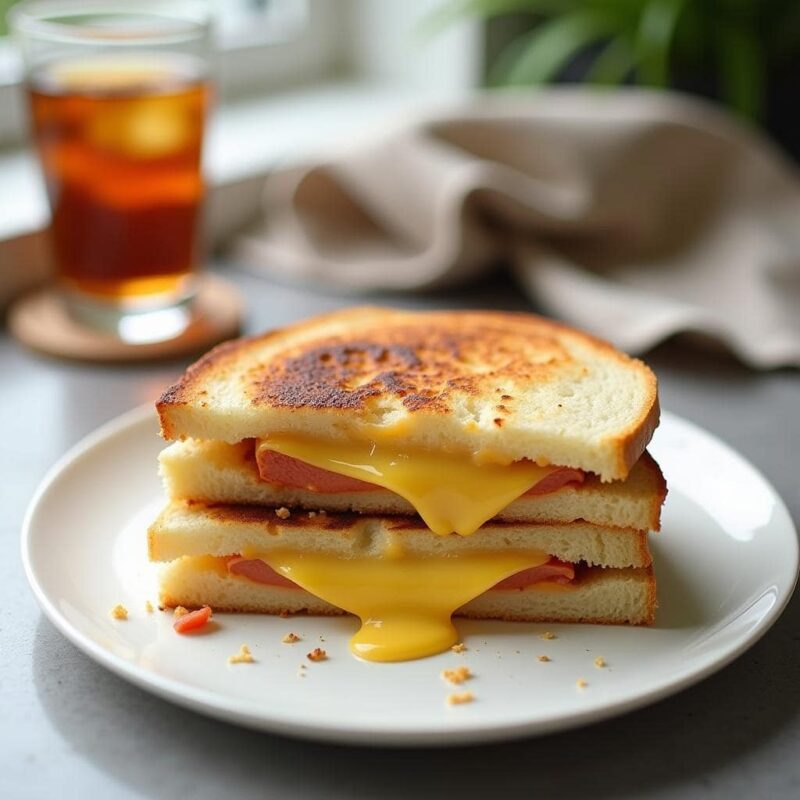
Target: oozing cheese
x=450, y=492
x=405, y=602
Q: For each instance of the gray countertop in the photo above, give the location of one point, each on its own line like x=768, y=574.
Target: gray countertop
x=68, y=728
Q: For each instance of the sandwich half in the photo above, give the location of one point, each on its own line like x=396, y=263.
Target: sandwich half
x=406, y=467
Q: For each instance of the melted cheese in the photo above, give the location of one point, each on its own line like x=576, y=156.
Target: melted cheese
x=450, y=492
x=405, y=602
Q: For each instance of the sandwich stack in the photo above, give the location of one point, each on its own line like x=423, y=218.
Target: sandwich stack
x=406, y=467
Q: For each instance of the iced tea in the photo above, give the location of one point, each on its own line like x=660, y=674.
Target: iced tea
x=120, y=143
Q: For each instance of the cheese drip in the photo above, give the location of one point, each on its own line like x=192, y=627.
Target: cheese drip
x=405, y=602
x=450, y=492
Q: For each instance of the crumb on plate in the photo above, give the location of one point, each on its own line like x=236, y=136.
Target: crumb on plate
x=543, y=658
x=547, y=635
x=148, y=607
x=244, y=656
x=119, y=611
x=283, y=513
x=290, y=638
x=459, y=648
x=600, y=662
x=581, y=683
x=459, y=698
x=317, y=654
x=180, y=611
x=457, y=674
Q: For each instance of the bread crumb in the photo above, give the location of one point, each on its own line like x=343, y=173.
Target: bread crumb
x=581, y=683
x=600, y=662
x=459, y=698
x=547, y=635
x=317, y=654
x=312, y=514
x=456, y=675
x=148, y=607
x=543, y=658
x=119, y=611
x=290, y=638
x=244, y=656
x=180, y=611
x=459, y=648
x=283, y=513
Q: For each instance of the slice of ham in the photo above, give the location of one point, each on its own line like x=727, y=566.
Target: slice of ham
x=554, y=571
x=557, y=480
x=292, y=473
x=295, y=474
x=259, y=571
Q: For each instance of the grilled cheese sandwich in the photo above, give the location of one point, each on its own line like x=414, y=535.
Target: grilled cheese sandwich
x=458, y=424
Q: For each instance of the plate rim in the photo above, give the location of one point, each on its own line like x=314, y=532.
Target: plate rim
x=230, y=710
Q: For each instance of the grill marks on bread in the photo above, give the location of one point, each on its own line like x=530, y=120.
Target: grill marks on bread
x=422, y=366
x=512, y=385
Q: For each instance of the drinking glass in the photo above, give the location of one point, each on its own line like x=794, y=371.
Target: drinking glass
x=118, y=95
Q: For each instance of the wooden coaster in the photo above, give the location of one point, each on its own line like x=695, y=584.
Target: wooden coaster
x=40, y=321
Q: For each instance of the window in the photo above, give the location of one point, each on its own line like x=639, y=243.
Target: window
x=262, y=45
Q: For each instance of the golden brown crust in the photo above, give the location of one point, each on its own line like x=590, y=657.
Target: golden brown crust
x=635, y=438
x=420, y=362
x=660, y=490
x=350, y=362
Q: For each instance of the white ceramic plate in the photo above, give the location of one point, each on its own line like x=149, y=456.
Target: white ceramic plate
x=726, y=562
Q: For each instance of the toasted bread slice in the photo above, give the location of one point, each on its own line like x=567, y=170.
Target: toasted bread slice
x=601, y=596
x=197, y=529
x=216, y=472
x=514, y=386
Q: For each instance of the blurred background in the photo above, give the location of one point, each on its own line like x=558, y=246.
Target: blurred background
x=743, y=53
x=292, y=77
x=297, y=79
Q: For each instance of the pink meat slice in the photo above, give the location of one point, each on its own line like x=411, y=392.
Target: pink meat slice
x=259, y=571
x=295, y=474
x=554, y=571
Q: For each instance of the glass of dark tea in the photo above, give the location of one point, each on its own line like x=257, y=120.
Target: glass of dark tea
x=119, y=93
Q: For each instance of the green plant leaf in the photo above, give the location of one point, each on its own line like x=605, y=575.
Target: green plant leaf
x=539, y=55
x=5, y=7
x=613, y=64
x=741, y=70
x=455, y=10
x=657, y=25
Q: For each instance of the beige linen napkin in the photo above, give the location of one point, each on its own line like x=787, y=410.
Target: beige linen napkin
x=633, y=214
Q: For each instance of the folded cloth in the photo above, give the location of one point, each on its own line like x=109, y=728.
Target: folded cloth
x=633, y=214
